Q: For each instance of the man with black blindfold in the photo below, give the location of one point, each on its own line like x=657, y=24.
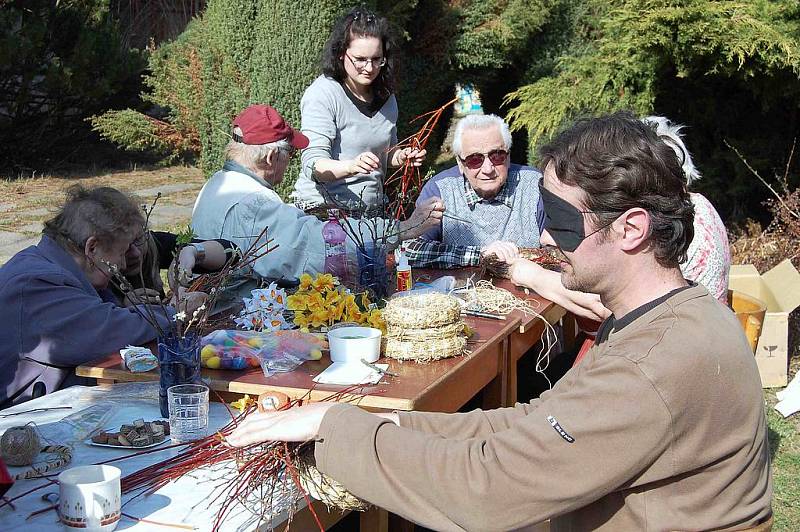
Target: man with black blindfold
x=661, y=427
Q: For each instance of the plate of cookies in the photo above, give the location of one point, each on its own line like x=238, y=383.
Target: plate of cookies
x=139, y=434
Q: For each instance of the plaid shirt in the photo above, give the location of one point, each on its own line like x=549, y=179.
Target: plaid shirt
x=426, y=253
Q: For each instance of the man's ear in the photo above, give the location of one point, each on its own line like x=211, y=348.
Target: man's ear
x=460, y=166
x=634, y=226
x=90, y=247
x=269, y=158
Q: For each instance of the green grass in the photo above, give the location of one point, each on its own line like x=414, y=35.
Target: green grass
x=785, y=447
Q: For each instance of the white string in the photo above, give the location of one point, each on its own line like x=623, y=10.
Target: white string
x=501, y=301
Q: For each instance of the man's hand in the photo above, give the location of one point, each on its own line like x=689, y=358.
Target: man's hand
x=142, y=296
x=364, y=163
x=427, y=215
x=504, y=251
x=299, y=423
x=188, y=302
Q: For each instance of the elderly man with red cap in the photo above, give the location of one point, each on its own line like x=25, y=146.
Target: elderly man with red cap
x=239, y=201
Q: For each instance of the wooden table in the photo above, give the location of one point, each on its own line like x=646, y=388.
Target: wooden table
x=441, y=386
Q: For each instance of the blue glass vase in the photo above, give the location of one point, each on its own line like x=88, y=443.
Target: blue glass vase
x=373, y=275
x=179, y=358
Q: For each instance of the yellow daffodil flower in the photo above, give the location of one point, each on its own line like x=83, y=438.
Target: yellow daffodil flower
x=297, y=302
x=319, y=318
x=242, y=404
x=324, y=281
x=306, y=281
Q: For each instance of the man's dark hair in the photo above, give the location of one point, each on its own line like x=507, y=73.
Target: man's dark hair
x=360, y=22
x=102, y=212
x=620, y=163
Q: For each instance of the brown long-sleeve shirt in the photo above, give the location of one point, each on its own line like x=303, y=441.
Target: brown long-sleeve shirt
x=661, y=427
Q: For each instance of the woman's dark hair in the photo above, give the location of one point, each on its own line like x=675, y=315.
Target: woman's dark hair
x=360, y=22
x=102, y=212
x=621, y=163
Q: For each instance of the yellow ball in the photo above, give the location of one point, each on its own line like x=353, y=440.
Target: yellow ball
x=213, y=363
x=255, y=341
x=316, y=354
x=207, y=352
x=304, y=329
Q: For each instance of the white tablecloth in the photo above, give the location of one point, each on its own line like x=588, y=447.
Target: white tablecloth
x=185, y=501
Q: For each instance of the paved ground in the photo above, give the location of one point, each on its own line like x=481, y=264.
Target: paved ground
x=25, y=204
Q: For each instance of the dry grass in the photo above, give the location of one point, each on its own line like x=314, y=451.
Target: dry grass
x=25, y=201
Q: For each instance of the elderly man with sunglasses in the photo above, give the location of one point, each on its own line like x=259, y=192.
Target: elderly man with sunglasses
x=238, y=202
x=493, y=206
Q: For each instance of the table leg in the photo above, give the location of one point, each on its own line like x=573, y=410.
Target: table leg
x=374, y=520
x=105, y=383
x=494, y=394
x=398, y=524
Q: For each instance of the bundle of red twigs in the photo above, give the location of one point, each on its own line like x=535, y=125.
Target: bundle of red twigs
x=257, y=474
x=407, y=177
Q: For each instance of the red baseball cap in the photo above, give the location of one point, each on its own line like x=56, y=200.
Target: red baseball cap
x=261, y=124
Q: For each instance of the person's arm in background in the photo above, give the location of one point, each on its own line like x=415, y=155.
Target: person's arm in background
x=547, y=284
x=217, y=252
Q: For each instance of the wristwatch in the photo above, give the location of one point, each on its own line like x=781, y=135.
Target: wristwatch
x=200, y=253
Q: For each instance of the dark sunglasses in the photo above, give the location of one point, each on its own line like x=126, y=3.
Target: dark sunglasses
x=473, y=161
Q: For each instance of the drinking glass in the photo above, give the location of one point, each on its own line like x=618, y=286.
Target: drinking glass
x=188, y=412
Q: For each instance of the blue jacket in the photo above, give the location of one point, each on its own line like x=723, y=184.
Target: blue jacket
x=53, y=320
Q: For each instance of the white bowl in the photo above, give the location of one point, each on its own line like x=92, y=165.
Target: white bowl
x=351, y=344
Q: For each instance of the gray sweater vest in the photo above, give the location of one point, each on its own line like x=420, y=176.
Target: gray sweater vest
x=491, y=219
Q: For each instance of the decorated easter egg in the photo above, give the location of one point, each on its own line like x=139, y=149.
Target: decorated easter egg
x=255, y=341
x=253, y=362
x=213, y=363
x=229, y=342
x=207, y=352
x=227, y=363
x=238, y=363
x=315, y=354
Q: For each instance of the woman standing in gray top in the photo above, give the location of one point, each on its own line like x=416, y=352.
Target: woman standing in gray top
x=349, y=114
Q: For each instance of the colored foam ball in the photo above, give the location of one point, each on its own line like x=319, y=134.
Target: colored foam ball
x=315, y=354
x=213, y=363
x=207, y=352
x=253, y=362
x=255, y=341
x=227, y=363
x=238, y=363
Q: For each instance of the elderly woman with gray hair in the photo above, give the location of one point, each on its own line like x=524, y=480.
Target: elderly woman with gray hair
x=709, y=257
x=55, y=303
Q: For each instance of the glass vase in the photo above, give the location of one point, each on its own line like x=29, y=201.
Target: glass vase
x=373, y=274
x=179, y=358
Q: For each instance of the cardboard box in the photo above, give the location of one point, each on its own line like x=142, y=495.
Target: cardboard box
x=779, y=288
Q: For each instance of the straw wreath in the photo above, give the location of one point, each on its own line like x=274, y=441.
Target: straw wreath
x=424, y=327
x=324, y=488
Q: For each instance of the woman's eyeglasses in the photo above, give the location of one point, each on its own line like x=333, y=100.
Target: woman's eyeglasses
x=141, y=240
x=473, y=161
x=361, y=63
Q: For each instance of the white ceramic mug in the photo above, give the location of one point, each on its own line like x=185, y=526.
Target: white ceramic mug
x=89, y=498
